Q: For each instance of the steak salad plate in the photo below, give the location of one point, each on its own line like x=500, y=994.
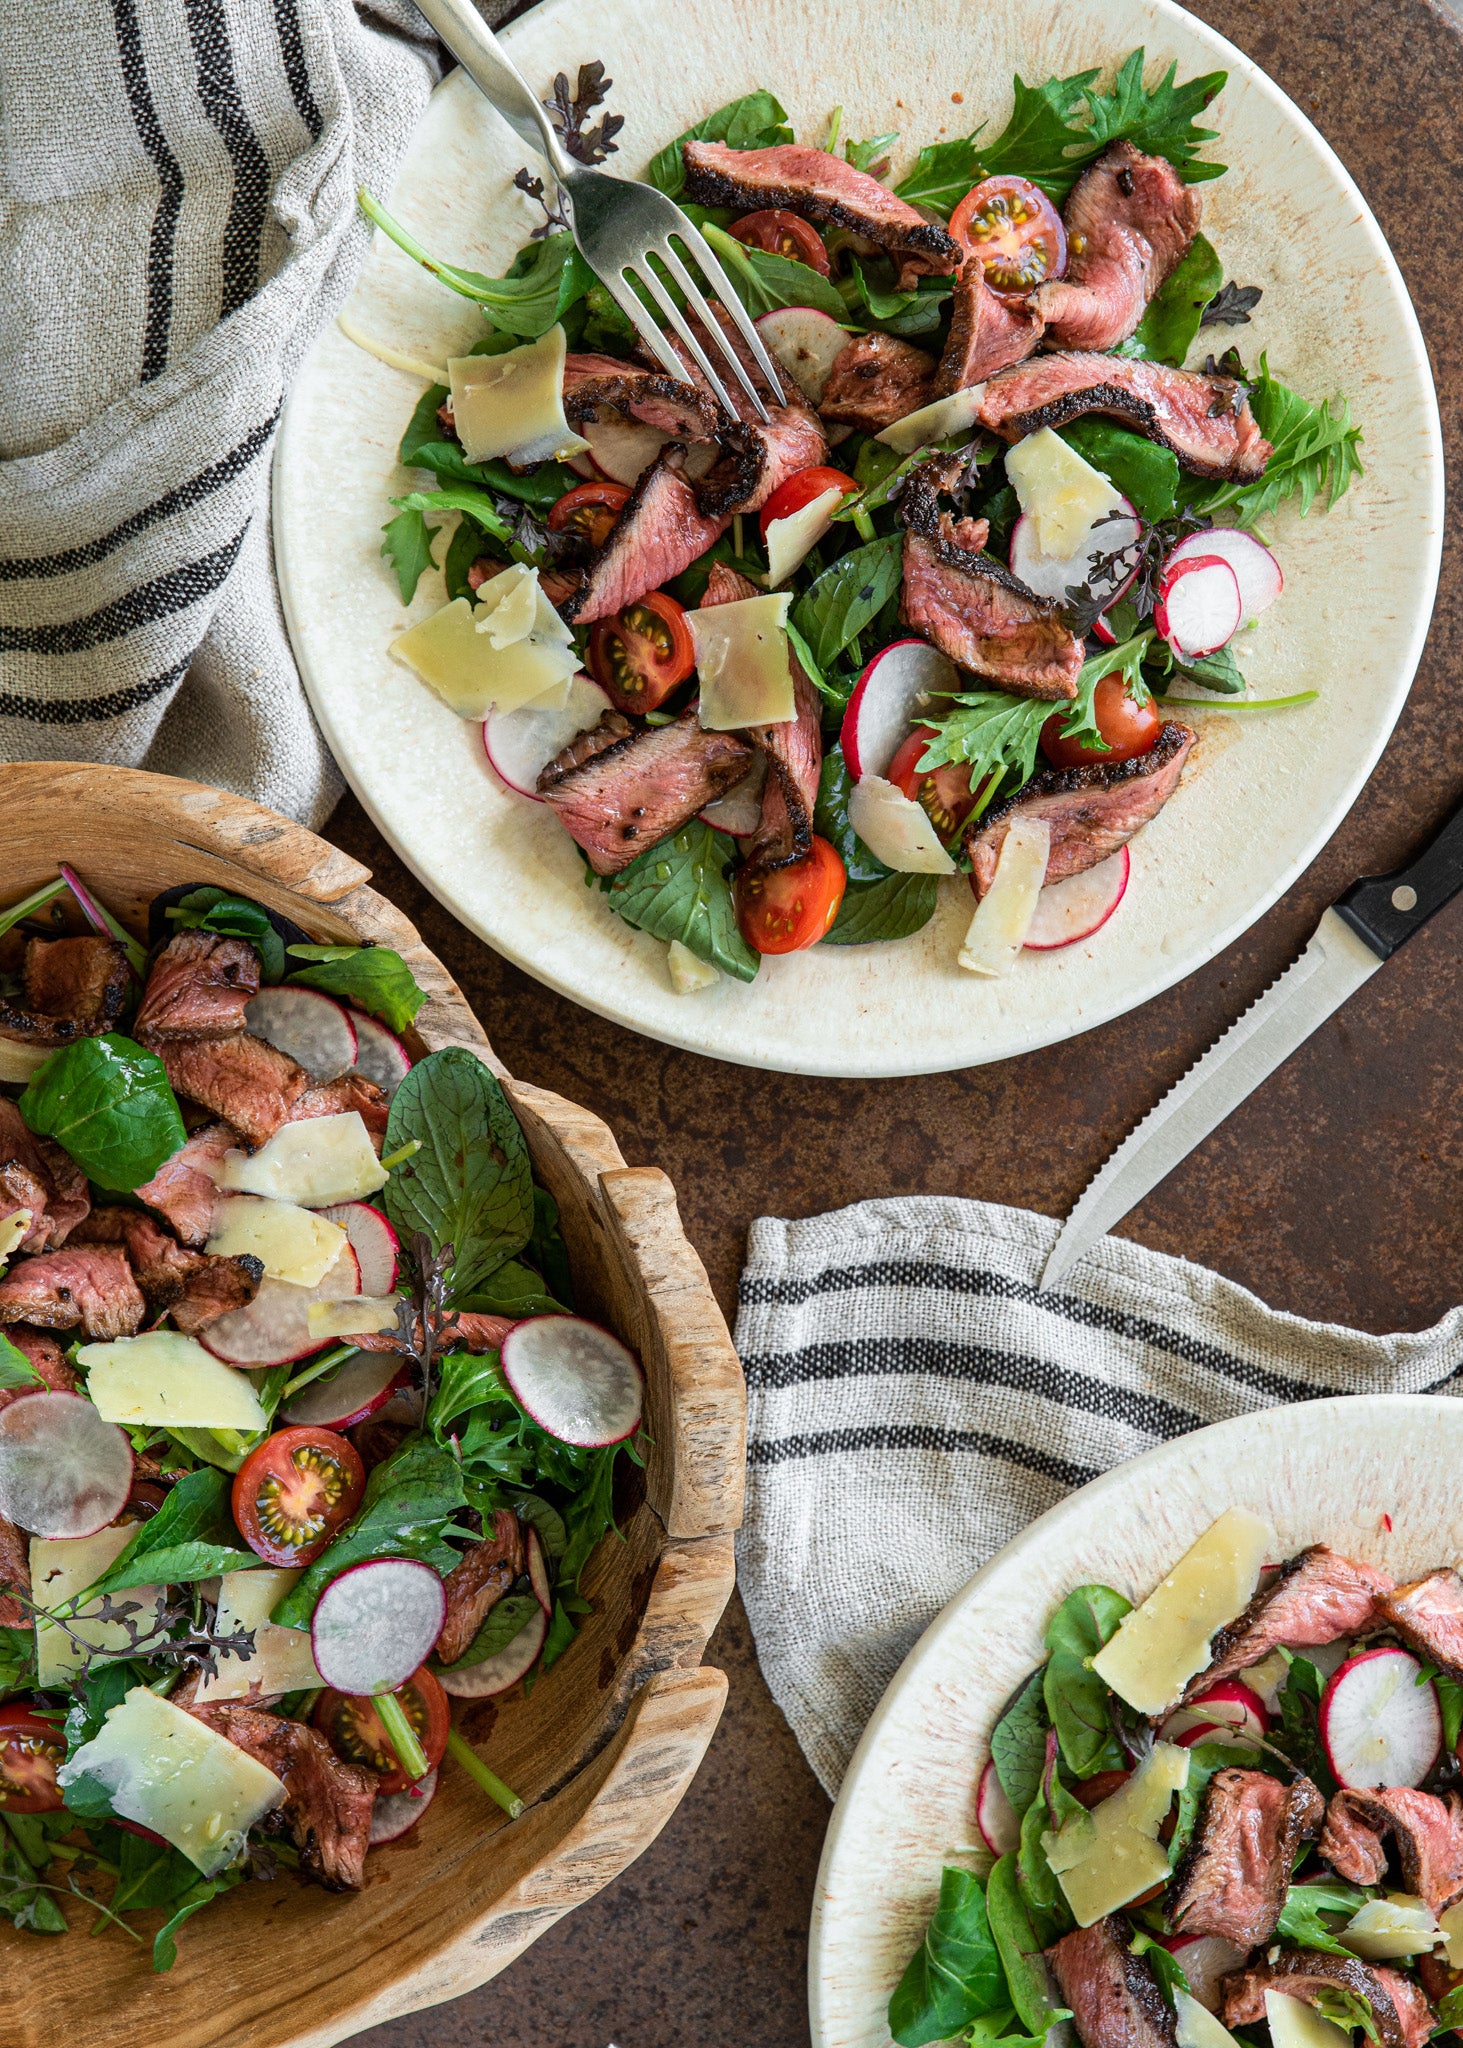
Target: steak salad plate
x=967, y=618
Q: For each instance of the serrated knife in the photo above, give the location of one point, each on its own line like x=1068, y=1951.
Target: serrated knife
x=1360, y=931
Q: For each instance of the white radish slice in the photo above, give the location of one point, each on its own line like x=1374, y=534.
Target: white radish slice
x=376, y=1623
x=1256, y=570
x=1222, y=1732
x=806, y=343
x=1003, y=916
x=1198, y=606
x=63, y=1470
x=496, y=1674
x=274, y=1328
x=363, y=1384
x=1378, y=1724
x=995, y=1816
x=897, y=684
x=576, y=1380
x=520, y=744
x=538, y=1572
x=583, y=464
x=307, y=1025
x=739, y=812
x=380, y=1054
x=1079, y=906
x=1204, y=1959
x=1053, y=576
x=1237, y=1703
x=623, y=449
x=373, y=1241
x=392, y=1816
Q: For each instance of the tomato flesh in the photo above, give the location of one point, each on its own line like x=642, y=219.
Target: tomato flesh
x=783, y=234
x=353, y=1728
x=589, y=511
x=293, y=1494
x=800, y=490
x=31, y=1750
x=643, y=653
x=1130, y=729
x=782, y=910
x=944, y=793
x=1014, y=229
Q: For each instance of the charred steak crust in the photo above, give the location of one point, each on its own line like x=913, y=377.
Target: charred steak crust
x=736, y=474
x=1428, y=1615
x=1112, y=398
x=1072, y=781
x=1232, y=1879
x=1316, y=1590
x=919, y=512
x=1113, y=1995
x=612, y=735
x=1300, y=1973
x=591, y=382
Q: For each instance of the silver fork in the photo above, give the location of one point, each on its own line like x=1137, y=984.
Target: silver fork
x=618, y=224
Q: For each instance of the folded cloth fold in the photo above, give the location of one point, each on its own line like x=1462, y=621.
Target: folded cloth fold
x=913, y=1402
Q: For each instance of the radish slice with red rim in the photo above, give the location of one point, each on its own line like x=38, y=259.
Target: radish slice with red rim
x=63, y=1470
x=575, y=1379
x=1079, y=906
x=373, y=1241
x=538, y=1572
x=1380, y=1725
x=887, y=698
x=995, y=1816
x=1205, y=1960
x=392, y=1816
x=622, y=449
x=1256, y=570
x=1093, y=565
x=1198, y=608
x=806, y=343
x=274, y=1329
x=520, y=744
x=739, y=812
x=363, y=1384
x=495, y=1674
x=310, y=1027
x=1234, y=1701
x=376, y=1623
x=380, y=1054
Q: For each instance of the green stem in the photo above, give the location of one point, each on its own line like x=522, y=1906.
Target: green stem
x=402, y=1152
x=37, y=900
x=307, y=1704
x=863, y=525
x=401, y=1735
x=478, y=1771
x=1243, y=703
x=835, y=129
x=92, y=909
x=317, y=1366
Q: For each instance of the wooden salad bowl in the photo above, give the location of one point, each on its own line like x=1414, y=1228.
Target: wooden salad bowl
x=608, y=1740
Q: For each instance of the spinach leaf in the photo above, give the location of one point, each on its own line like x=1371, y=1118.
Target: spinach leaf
x=1039, y=141
x=755, y=121
x=407, y=545
x=1205, y=1758
x=470, y=1186
x=1076, y=1698
x=562, y=1631
x=542, y=281
x=894, y=908
x=1160, y=121
x=1141, y=470
x=107, y=1103
x=480, y=507
x=515, y=1290
x=374, y=978
x=1041, y=1894
x=1450, y=2010
x=1217, y=671
x=149, y=1874
x=589, y=1516
x=1020, y=1950
x=200, y=1893
x=1315, y=455
x=679, y=890
x=547, y=1249
x=1018, y=1743
x=1299, y=1734
x=690, y=586
x=410, y=1498
x=917, y=311
x=1450, y=1701
x=212, y=909
x=1166, y=1968
x=16, y=1369
x=24, y=1900
x=422, y=447
x=541, y=1515
x=1300, y=1917
x=943, y=173
x=192, y=1536
x=93, y=1695
x=831, y=822
x=840, y=602
x=501, y=1624
x=764, y=281
x=955, y=1974
x=1175, y=313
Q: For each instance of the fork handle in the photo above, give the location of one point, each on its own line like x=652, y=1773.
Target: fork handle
x=486, y=63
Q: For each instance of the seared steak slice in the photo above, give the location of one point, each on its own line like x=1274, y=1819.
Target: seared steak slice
x=476, y=1585
x=74, y=988
x=1428, y=1833
x=683, y=411
x=1416, y=2015
x=215, y=1288
x=876, y=380
x=46, y=1356
x=1428, y=1615
x=1316, y=1597
x=1114, y=1999
x=1235, y=1873
x=1302, y=1973
x=14, y=1575
x=91, y=1286
x=241, y=1079
x=1205, y=420
x=1091, y=811
x=38, y=1176
x=198, y=987
x=987, y=333
x=758, y=455
x=637, y=791
x=340, y=1097
x=660, y=532
x=327, y=1804
x=192, y=1287
x=821, y=188
x=726, y=585
x=1130, y=219
x=183, y=1188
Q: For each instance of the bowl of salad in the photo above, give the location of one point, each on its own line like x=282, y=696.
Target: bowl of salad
x=370, y=1447
x=1179, y=1766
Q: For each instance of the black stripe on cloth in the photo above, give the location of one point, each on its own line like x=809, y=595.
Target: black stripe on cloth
x=919, y=1436
x=91, y=710
x=218, y=89
x=193, y=492
x=889, y=1357
x=292, y=55
x=170, y=191
x=167, y=594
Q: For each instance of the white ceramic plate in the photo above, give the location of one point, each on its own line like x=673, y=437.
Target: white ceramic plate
x=1325, y=1471
x=1267, y=789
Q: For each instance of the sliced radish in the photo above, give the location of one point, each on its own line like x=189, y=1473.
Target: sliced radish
x=1198, y=606
x=363, y=1384
x=496, y=1674
x=1222, y=1732
x=576, y=1380
x=583, y=464
x=373, y=1241
x=1379, y=1725
x=1053, y=576
x=1102, y=631
x=380, y=1054
x=1204, y=1959
x=806, y=343
x=274, y=1329
x=897, y=684
x=1256, y=570
x=63, y=1470
x=398, y=1811
x=995, y=1816
x=312, y=1028
x=538, y=1572
x=739, y=812
x=376, y=1623
x=1231, y=1706
x=520, y=744
x=623, y=449
x=1079, y=906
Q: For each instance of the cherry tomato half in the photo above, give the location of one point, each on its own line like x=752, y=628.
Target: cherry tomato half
x=30, y=1752
x=640, y=655
x=945, y=793
x=1016, y=232
x=589, y=510
x=352, y=1727
x=293, y=1493
x=800, y=490
x=783, y=234
x=782, y=910
x=1130, y=729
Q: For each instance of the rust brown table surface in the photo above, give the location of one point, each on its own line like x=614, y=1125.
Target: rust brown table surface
x=1332, y=1193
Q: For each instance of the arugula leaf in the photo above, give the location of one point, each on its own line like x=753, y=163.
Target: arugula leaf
x=1076, y=1698
x=542, y=281
x=410, y=1498
x=479, y=506
x=107, y=1103
x=993, y=2027
x=589, y=1516
x=1300, y=1917
x=1299, y=1734
x=1037, y=140
x=842, y=600
x=545, y=1517
x=1205, y=1758
x=764, y=281
x=562, y=1631
x=1315, y=455
x=374, y=978
x=1140, y=469
x=755, y=121
x=192, y=1536
x=1175, y=313
x=865, y=155
x=407, y=545
x=1018, y=1743
x=200, y=1893
x=547, y=1250
x=831, y=822
x=1345, y=2008
x=955, y=1974
x=1160, y=121
x=17, y=1659
x=16, y=1369
x=943, y=173
x=422, y=447
x=1020, y=1951
x=998, y=733
x=679, y=890
x=211, y=909
x=465, y=1379
x=894, y=908
x=503, y=1621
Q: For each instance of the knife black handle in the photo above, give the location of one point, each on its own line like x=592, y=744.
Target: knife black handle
x=1386, y=909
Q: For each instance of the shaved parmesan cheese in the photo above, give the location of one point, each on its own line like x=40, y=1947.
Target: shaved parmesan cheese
x=62, y=1567
x=1162, y=1644
x=1107, y=1858
x=282, y=1659
x=1294, y=2024
x=362, y=1316
x=1197, y=2027
x=1003, y=915
x=509, y=649
x=512, y=405
x=170, y=1381
x=1451, y=1925
x=743, y=662
x=167, y=1771
x=19, y=1062
x=1062, y=495
x=896, y=830
x=1398, y=1925
x=688, y=974
x=788, y=540
x=935, y=422
x=317, y=1162
x=290, y=1243
x=12, y=1231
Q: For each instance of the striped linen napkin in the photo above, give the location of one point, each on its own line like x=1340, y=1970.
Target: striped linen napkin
x=913, y=1402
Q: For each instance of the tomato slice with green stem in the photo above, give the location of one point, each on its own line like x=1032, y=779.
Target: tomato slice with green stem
x=1128, y=727
x=31, y=1751
x=783, y=910
x=800, y=490
x=783, y=234
x=589, y=511
x=295, y=1492
x=643, y=653
x=354, y=1730
x=944, y=793
x=1014, y=229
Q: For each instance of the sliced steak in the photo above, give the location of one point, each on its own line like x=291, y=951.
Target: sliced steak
x=1130, y=220
x=1091, y=811
x=241, y=1079
x=1205, y=420
x=183, y=1188
x=476, y=1585
x=89, y=1286
x=660, y=532
x=327, y=1803
x=1428, y=1615
x=876, y=380
x=821, y=188
x=758, y=455
x=726, y=585
x=1427, y=1831
x=682, y=410
x=198, y=987
x=14, y=1575
x=987, y=333
x=38, y=1176
x=1414, y=2012
x=192, y=1287
x=74, y=988
x=1316, y=1597
x=638, y=790
x=1113, y=1996
x=1305, y=1973
x=1235, y=1873
x=340, y=1097
x=45, y=1355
